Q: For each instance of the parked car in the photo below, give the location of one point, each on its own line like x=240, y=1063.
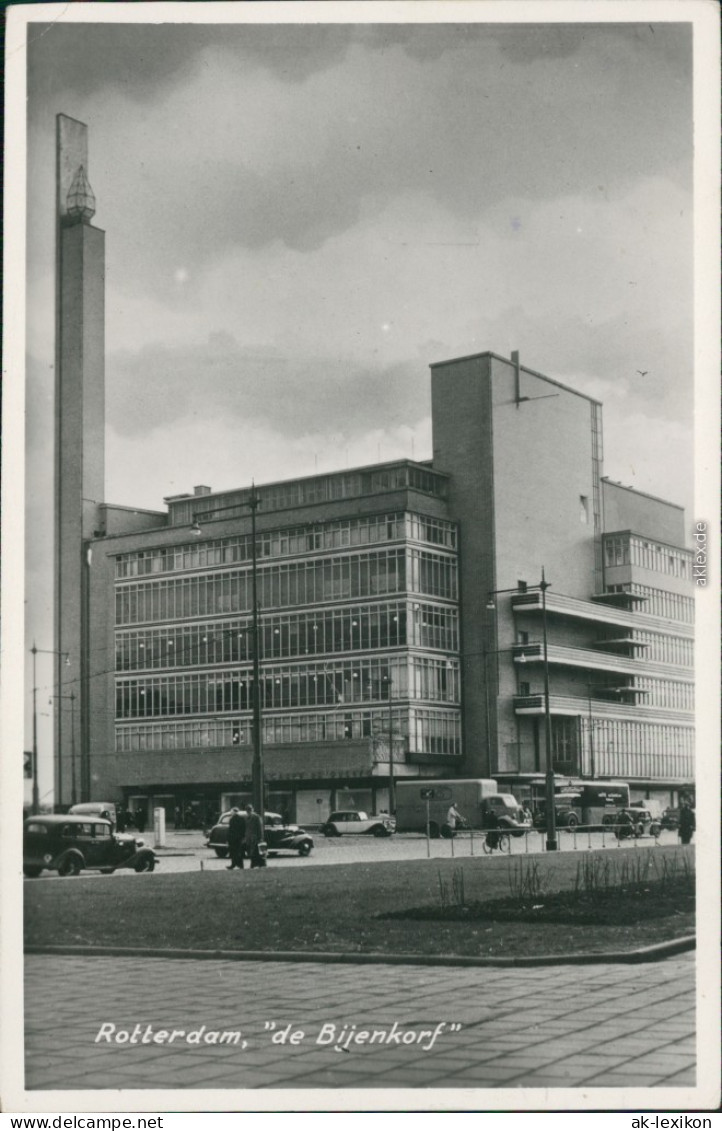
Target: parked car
x=503, y=811
x=352, y=821
x=280, y=837
x=636, y=822
x=69, y=843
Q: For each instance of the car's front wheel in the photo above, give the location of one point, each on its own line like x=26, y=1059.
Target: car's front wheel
x=379, y=830
x=304, y=849
x=70, y=866
x=572, y=822
x=221, y=853
x=31, y=871
x=145, y=863
x=331, y=830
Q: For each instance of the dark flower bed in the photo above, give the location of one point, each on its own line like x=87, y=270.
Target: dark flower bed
x=614, y=907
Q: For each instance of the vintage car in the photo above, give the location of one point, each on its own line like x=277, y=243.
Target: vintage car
x=68, y=843
x=503, y=811
x=351, y=821
x=280, y=837
x=636, y=822
x=670, y=819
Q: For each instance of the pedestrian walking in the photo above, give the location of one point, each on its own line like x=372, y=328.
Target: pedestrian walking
x=687, y=822
x=236, y=838
x=254, y=838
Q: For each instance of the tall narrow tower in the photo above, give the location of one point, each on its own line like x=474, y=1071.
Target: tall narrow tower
x=79, y=443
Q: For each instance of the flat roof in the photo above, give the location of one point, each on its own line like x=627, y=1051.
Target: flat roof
x=644, y=494
x=525, y=368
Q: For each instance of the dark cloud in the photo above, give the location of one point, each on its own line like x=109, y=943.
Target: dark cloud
x=287, y=393
x=465, y=113
x=144, y=60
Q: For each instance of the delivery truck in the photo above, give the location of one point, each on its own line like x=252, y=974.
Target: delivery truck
x=476, y=799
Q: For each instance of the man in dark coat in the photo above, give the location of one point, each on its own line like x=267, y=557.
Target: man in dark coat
x=254, y=837
x=236, y=839
x=686, y=822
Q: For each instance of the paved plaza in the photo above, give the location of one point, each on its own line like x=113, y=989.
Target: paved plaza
x=600, y=1026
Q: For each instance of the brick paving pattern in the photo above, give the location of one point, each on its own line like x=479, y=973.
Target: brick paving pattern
x=611, y=1026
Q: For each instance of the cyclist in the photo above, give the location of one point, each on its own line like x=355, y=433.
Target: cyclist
x=453, y=821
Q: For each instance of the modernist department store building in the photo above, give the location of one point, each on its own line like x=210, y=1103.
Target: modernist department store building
x=377, y=634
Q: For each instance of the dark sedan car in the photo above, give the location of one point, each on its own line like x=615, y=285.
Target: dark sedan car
x=68, y=844
x=280, y=837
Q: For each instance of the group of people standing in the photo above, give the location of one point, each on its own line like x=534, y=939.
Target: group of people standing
x=245, y=838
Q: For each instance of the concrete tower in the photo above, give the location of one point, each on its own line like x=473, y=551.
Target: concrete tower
x=79, y=443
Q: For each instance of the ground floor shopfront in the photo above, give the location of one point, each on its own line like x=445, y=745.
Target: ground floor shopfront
x=304, y=785
x=198, y=807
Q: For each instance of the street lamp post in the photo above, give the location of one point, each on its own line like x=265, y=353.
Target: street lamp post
x=49, y=652
x=392, y=783
x=549, y=794
x=73, y=790
x=257, y=769
x=591, y=735
x=257, y=775
x=549, y=779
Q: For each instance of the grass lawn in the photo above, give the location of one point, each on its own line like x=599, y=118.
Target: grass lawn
x=339, y=908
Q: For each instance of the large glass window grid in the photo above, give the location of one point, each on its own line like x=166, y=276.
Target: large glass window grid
x=626, y=749
x=668, y=693
x=316, y=632
x=664, y=649
x=660, y=603
x=297, y=583
x=318, y=489
x=337, y=683
x=629, y=549
x=427, y=730
x=338, y=534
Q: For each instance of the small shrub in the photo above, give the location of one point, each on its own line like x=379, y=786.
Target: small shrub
x=457, y=887
x=526, y=881
x=443, y=892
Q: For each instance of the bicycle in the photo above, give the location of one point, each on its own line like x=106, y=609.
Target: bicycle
x=495, y=840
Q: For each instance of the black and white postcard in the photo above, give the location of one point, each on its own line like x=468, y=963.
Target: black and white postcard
x=361, y=572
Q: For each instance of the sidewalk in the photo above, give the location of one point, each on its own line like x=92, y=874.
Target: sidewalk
x=611, y=1026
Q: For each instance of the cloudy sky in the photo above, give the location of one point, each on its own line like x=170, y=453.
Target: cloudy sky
x=300, y=218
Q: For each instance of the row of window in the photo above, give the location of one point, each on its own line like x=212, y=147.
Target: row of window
x=623, y=737
x=666, y=693
x=415, y=677
x=354, y=629
x=422, y=731
x=660, y=603
x=284, y=543
x=298, y=583
x=661, y=649
x=620, y=764
x=319, y=489
x=631, y=550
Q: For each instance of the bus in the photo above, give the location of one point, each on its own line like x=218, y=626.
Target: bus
x=579, y=800
x=591, y=805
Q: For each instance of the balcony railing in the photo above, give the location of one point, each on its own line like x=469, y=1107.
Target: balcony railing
x=587, y=658
x=580, y=706
x=560, y=605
